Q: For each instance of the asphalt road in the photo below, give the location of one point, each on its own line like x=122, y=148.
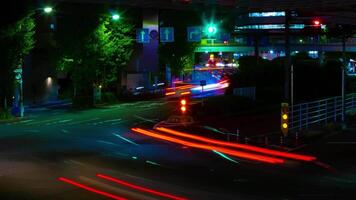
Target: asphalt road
x=52, y=143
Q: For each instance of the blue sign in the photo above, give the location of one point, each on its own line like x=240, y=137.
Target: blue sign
x=166, y=34
x=143, y=35
x=194, y=33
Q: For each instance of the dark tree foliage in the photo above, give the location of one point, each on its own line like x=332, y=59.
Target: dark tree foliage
x=95, y=48
x=179, y=53
x=16, y=42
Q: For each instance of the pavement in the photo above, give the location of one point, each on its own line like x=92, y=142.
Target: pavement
x=77, y=145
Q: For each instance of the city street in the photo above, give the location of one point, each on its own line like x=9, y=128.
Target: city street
x=77, y=145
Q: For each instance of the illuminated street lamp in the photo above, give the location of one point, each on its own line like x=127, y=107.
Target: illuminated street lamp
x=48, y=9
x=115, y=17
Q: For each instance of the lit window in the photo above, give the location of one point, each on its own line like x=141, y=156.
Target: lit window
x=267, y=14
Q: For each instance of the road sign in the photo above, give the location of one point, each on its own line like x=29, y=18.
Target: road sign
x=203, y=83
x=154, y=34
x=166, y=34
x=194, y=33
x=142, y=35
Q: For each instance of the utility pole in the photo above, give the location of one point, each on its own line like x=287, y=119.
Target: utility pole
x=344, y=63
x=288, y=61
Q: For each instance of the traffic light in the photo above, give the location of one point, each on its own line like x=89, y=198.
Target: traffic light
x=284, y=118
x=183, y=105
x=211, y=30
x=316, y=22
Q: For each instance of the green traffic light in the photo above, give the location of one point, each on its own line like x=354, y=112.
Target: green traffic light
x=212, y=29
x=115, y=17
x=48, y=9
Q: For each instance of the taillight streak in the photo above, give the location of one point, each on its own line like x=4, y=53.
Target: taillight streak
x=136, y=187
x=90, y=189
x=239, y=146
x=244, y=155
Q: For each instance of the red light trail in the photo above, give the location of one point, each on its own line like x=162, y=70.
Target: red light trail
x=90, y=189
x=244, y=155
x=136, y=187
x=240, y=146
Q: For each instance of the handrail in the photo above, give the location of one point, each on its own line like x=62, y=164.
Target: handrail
x=324, y=110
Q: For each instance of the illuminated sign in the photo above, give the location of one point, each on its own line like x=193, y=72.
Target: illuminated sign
x=269, y=26
x=267, y=14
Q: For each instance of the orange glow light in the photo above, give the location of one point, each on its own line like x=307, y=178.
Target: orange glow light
x=183, y=108
x=184, y=93
x=170, y=93
x=240, y=146
x=249, y=156
x=183, y=102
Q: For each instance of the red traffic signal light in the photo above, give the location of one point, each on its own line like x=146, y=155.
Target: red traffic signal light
x=316, y=22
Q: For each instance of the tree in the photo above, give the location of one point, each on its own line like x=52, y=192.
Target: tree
x=94, y=56
x=178, y=54
x=16, y=40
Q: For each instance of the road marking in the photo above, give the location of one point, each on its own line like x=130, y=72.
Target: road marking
x=39, y=122
x=145, y=119
x=83, y=121
x=106, y=142
x=26, y=121
x=225, y=156
x=64, y=131
x=64, y=121
x=107, y=121
x=127, y=140
x=32, y=131
x=152, y=163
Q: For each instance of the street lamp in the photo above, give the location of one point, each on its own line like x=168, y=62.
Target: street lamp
x=48, y=9
x=115, y=17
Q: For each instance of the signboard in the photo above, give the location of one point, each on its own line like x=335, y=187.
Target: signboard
x=166, y=34
x=194, y=33
x=142, y=35
x=203, y=83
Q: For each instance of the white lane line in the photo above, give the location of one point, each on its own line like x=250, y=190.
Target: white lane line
x=64, y=131
x=64, y=121
x=125, y=139
x=147, y=120
x=39, y=122
x=106, y=142
x=32, y=131
x=107, y=121
x=26, y=121
x=83, y=121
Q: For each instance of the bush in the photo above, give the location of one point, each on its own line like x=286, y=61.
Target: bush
x=109, y=97
x=5, y=114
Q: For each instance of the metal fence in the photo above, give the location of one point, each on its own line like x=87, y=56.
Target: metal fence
x=249, y=92
x=303, y=115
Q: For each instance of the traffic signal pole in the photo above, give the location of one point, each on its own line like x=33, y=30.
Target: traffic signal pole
x=288, y=61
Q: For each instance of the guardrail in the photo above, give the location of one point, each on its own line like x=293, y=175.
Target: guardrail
x=303, y=115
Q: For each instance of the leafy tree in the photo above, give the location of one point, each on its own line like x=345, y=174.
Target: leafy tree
x=178, y=54
x=97, y=54
x=16, y=40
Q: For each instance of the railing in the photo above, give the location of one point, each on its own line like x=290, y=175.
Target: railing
x=249, y=92
x=303, y=115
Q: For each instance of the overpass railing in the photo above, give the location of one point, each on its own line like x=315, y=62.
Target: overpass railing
x=303, y=115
